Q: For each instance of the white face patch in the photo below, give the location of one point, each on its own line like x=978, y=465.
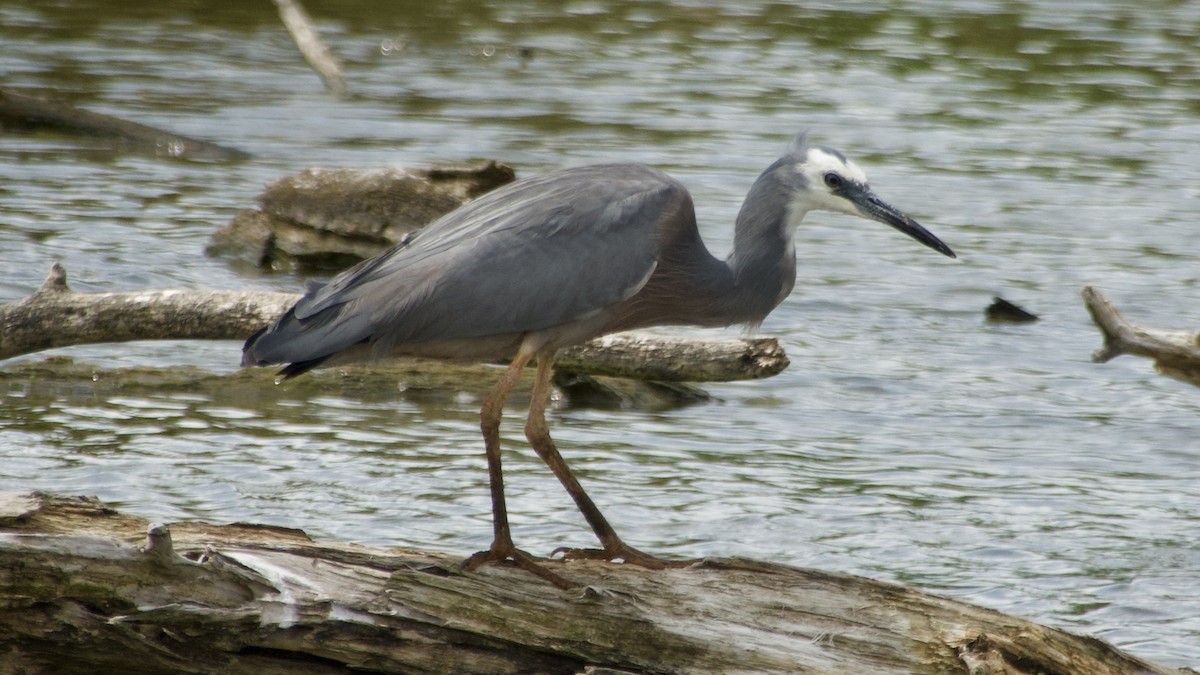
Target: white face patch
x=820, y=162
x=818, y=196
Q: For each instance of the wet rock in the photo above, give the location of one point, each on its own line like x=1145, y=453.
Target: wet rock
x=331, y=218
x=1003, y=311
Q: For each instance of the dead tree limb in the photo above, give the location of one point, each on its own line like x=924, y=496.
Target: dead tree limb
x=88, y=589
x=314, y=50
x=675, y=359
x=56, y=316
x=1175, y=353
x=24, y=112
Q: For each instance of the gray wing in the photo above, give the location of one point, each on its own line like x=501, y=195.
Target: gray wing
x=535, y=254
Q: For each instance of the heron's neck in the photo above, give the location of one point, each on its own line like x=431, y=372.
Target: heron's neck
x=691, y=286
x=763, y=260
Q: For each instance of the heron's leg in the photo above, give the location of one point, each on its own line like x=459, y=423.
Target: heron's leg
x=538, y=434
x=502, y=546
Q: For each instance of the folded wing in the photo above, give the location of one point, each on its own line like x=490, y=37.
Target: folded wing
x=536, y=254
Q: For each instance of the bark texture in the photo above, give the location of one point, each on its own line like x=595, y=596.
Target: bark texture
x=87, y=589
x=331, y=218
x=56, y=316
x=312, y=47
x=1176, y=353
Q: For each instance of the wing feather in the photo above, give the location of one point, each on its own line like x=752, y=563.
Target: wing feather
x=539, y=253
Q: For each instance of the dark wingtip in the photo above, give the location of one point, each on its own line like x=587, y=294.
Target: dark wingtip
x=248, y=358
x=300, y=367
x=289, y=371
x=258, y=350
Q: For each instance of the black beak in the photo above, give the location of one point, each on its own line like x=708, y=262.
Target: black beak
x=875, y=208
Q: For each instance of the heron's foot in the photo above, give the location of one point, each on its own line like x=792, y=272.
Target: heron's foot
x=506, y=552
x=623, y=552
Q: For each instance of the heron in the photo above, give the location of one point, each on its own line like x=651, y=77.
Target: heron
x=556, y=259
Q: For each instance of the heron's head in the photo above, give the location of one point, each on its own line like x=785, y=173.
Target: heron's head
x=826, y=180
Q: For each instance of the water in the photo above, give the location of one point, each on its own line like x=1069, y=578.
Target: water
x=1052, y=144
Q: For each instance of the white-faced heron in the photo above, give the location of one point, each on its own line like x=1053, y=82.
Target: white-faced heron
x=557, y=259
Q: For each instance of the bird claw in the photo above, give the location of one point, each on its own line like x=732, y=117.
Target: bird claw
x=501, y=552
x=623, y=552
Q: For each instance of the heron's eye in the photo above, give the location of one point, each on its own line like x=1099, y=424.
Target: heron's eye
x=833, y=181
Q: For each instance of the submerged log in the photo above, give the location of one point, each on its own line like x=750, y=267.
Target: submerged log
x=1176, y=353
x=26, y=113
x=331, y=218
x=56, y=316
x=88, y=589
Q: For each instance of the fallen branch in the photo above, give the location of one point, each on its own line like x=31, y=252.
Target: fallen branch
x=1175, y=353
x=56, y=316
x=309, y=42
x=19, y=111
x=82, y=596
x=675, y=359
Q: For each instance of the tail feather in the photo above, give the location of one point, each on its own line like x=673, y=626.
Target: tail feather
x=248, y=358
x=300, y=367
x=304, y=344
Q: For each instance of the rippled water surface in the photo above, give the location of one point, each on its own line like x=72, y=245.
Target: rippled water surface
x=1052, y=144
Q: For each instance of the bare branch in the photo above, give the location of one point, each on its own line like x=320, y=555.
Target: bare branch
x=56, y=316
x=322, y=60
x=1176, y=353
x=675, y=359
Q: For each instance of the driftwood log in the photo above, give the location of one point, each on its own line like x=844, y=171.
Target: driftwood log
x=23, y=112
x=1176, y=353
x=331, y=218
x=86, y=589
x=56, y=316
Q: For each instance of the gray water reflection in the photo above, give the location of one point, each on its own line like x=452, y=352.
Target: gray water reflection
x=1051, y=143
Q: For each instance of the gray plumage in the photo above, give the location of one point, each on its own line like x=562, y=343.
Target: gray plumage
x=557, y=259
x=596, y=248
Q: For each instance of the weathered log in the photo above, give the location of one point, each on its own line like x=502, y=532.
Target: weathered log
x=56, y=316
x=311, y=47
x=22, y=112
x=79, y=594
x=330, y=218
x=1176, y=353
x=675, y=359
